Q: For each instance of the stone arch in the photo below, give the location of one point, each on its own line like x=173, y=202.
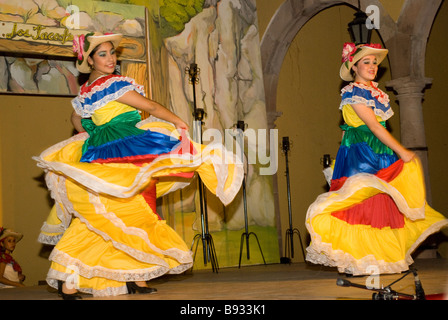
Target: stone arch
x=282, y=29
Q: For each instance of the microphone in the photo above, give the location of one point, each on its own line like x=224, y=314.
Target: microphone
x=343, y=283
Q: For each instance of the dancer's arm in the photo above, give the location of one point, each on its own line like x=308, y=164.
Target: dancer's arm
x=134, y=99
x=367, y=115
x=76, y=121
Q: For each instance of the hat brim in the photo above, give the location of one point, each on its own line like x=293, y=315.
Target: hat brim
x=94, y=41
x=380, y=54
x=10, y=233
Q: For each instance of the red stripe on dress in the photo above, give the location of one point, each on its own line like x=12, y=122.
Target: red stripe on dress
x=378, y=211
x=150, y=196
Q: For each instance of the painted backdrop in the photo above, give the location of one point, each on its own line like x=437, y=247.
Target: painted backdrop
x=222, y=38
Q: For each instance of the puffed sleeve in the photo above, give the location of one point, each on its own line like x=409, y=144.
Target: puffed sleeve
x=103, y=91
x=355, y=95
x=371, y=97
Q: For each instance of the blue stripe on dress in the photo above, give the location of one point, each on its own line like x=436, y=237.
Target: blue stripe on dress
x=360, y=158
x=148, y=143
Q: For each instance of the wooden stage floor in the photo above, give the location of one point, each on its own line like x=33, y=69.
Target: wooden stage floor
x=296, y=281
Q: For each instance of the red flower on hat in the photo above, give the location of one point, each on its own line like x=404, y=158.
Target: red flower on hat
x=348, y=51
x=81, y=44
x=78, y=46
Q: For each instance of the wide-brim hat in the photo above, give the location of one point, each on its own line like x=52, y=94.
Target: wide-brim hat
x=4, y=233
x=352, y=54
x=84, y=44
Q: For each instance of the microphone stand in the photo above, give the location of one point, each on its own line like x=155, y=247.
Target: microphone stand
x=246, y=234
x=387, y=293
x=208, y=246
x=289, y=243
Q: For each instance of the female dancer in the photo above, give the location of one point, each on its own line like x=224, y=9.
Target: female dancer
x=375, y=214
x=105, y=181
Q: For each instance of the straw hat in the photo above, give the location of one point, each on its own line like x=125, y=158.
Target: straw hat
x=84, y=44
x=352, y=54
x=4, y=233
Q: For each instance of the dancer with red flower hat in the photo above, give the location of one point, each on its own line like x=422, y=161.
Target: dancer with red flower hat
x=375, y=214
x=105, y=181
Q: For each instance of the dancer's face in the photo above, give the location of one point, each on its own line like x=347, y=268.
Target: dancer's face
x=366, y=69
x=104, y=59
x=9, y=243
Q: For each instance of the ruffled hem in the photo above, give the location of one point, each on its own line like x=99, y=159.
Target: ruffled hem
x=213, y=154
x=53, y=277
x=322, y=253
x=367, y=181
x=421, y=221
x=90, y=272
x=100, y=209
x=51, y=240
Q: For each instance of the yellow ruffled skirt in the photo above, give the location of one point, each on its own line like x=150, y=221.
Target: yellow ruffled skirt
x=380, y=244
x=105, y=232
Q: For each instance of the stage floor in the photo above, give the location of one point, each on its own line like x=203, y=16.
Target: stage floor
x=295, y=281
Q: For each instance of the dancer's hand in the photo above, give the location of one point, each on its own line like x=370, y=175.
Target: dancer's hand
x=407, y=155
x=181, y=125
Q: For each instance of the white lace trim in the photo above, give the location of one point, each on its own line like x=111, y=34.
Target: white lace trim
x=87, y=110
x=50, y=240
x=179, y=255
x=357, y=182
x=370, y=103
x=90, y=272
x=53, y=277
x=322, y=253
x=99, y=185
x=383, y=99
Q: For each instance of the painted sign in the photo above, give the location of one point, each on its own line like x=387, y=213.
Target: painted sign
x=37, y=33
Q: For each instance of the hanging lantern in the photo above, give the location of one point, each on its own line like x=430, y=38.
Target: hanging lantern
x=359, y=33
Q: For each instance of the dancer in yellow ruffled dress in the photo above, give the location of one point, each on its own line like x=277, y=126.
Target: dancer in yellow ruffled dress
x=375, y=214
x=105, y=181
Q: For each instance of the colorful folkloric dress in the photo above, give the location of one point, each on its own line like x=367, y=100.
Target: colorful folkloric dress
x=105, y=182
x=375, y=214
